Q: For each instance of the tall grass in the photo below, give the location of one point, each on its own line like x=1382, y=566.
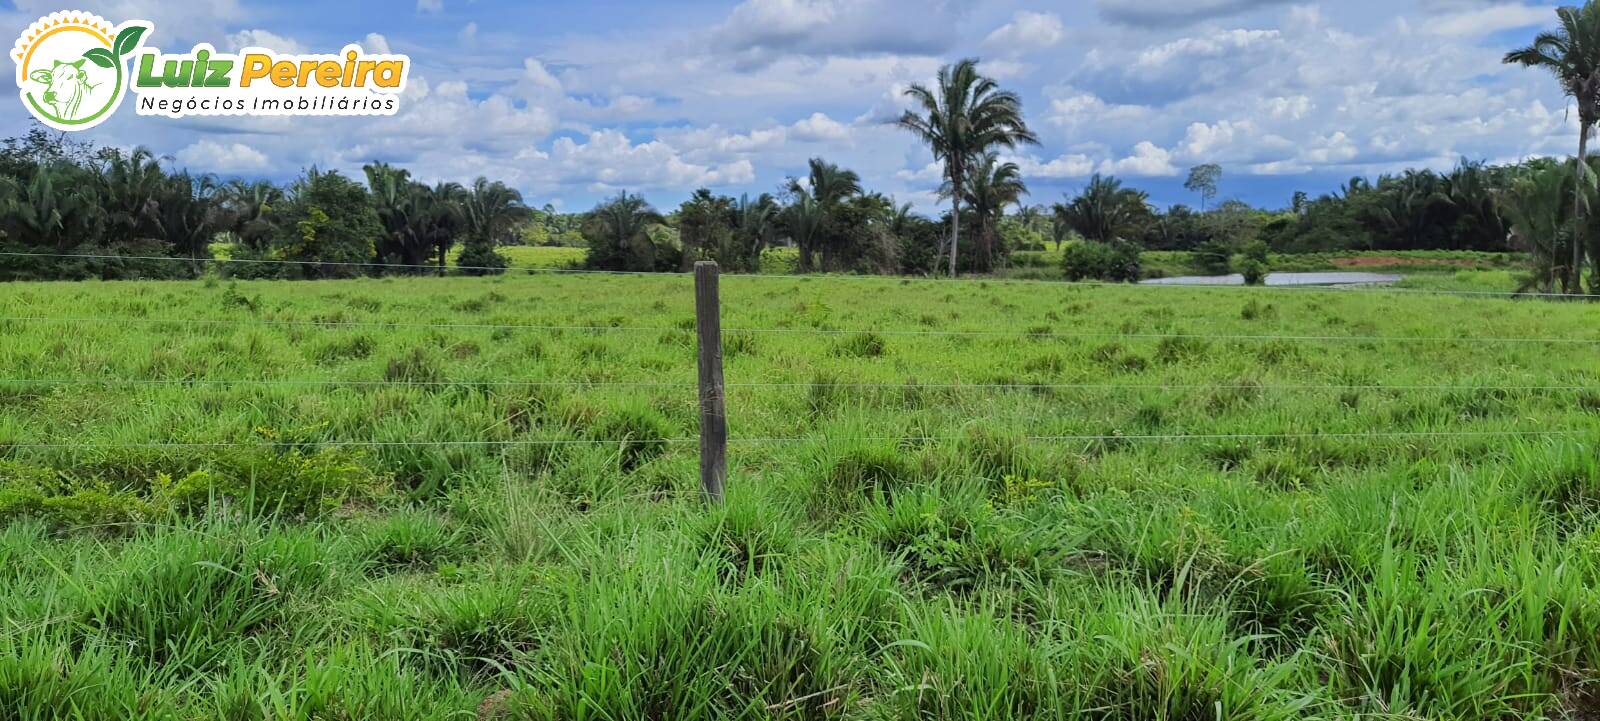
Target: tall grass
x=905, y=549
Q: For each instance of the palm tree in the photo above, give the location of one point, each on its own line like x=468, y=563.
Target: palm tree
x=1470, y=189
x=129, y=185
x=994, y=186
x=190, y=213
x=965, y=115
x=250, y=207
x=56, y=209
x=755, y=224
x=828, y=186
x=1059, y=229
x=1031, y=217
x=1534, y=206
x=1409, y=208
x=618, y=232
x=804, y=220
x=438, y=218
x=1104, y=211
x=899, y=219
x=491, y=210
x=1572, y=54
x=393, y=195
x=705, y=225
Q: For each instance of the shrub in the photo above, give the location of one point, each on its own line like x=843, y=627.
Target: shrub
x=1254, y=272
x=246, y=263
x=296, y=483
x=1252, y=262
x=1213, y=257
x=292, y=484
x=1116, y=262
x=481, y=259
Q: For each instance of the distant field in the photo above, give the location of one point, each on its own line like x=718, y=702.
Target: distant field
x=528, y=256
x=1161, y=263
x=973, y=499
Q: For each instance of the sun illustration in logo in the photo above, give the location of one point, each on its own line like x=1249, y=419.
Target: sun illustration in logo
x=72, y=67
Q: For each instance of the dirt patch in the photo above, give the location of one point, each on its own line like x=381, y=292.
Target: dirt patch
x=1380, y=261
x=1579, y=702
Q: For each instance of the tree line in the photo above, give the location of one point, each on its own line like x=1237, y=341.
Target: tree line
x=70, y=210
x=70, y=198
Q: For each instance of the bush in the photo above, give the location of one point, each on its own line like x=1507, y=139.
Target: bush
x=1116, y=261
x=1213, y=257
x=292, y=484
x=247, y=263
x=481, y=259
x=1252, y=262
x=1254, y=271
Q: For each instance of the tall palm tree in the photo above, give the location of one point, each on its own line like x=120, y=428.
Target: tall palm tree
x=965, y=115
x=1572, y=54
x=827, y=186
x=994, y=186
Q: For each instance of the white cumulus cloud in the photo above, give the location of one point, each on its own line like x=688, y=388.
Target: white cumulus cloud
x=209, y=156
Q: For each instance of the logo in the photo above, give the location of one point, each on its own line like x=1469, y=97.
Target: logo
x=73, y=69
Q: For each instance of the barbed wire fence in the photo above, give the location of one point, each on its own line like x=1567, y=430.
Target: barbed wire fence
x=713, y=438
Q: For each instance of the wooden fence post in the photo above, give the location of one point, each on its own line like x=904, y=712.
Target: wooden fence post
x=713, y=414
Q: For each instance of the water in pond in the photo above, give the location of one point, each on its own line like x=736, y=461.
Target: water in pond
x=1335, y=278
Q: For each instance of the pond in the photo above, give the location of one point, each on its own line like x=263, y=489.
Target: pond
x=1281, y=279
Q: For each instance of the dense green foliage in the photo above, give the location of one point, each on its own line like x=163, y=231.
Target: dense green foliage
x=113, y=209
x=918, y=550
x=1116, y=261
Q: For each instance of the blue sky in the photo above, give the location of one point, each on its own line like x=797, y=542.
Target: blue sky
x=573, y=101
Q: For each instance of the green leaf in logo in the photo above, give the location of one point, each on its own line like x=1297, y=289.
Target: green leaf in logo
x=101, y=57
x=128, y=39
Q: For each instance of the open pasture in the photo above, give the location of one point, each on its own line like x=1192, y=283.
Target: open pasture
x=433, y=498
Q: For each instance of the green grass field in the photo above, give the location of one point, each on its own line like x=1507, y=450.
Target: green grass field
x=433, y=498
x=536, y=257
